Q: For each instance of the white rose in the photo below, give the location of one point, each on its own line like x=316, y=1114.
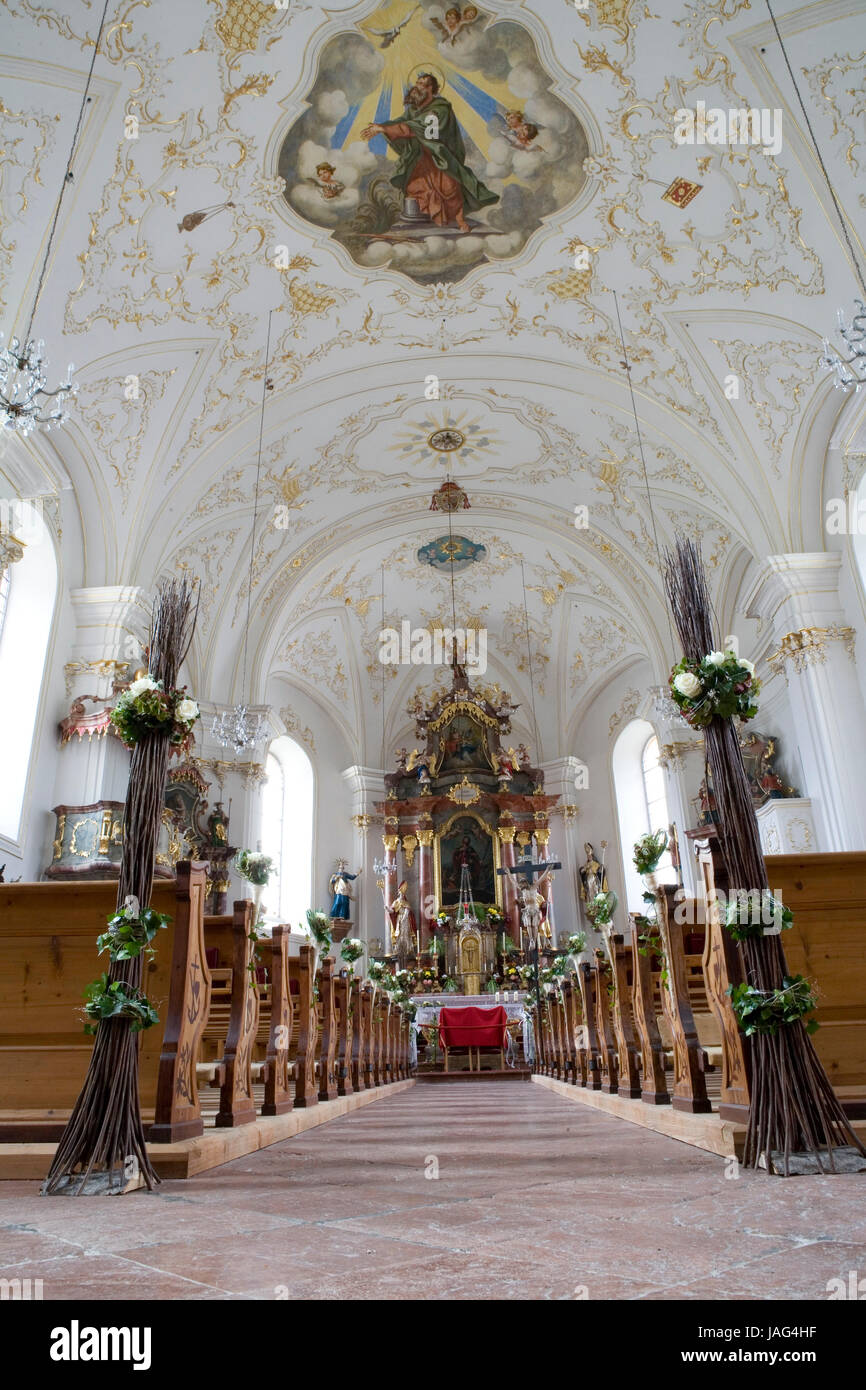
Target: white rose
x=139, y=687
x=715, y=658
x=187, y=711
x=746, y=664
x=688, y=684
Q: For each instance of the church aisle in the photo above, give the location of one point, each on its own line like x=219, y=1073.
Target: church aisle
x=535, y=1198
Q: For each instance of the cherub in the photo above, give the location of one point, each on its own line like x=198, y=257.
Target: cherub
x=455, y=22
x=519, y=132
x=525, y=134
x=327, y=185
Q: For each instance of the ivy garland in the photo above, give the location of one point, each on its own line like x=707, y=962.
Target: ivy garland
x=766, y=1011
x=117, y=1000
x=744, y=919
x=131, y=931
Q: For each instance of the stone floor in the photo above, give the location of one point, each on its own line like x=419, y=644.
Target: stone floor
x=535, y=1198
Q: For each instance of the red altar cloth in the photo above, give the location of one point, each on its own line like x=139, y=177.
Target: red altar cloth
x=473, y=1027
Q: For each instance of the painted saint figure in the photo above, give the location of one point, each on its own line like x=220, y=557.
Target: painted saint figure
x=432, y=166
x=339, y=884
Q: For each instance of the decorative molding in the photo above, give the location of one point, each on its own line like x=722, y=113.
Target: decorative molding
x=808, y=647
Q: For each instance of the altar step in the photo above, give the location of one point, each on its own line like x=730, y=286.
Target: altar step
x=423, y=1078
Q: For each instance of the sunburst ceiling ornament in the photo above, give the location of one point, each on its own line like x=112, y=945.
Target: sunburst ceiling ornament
x=446, y=441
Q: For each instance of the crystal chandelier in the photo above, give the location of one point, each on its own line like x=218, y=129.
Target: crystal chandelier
x=849, y=371
x=25, y=400
x=238, y=728
x=241, y=728
x=665, y=708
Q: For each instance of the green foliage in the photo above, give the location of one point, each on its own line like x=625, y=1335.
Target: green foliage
x=766, y=1011
x=103, y=1000
x=148, y=708
x=745, y=917
x=320, y=928
x=576, y=943
x=130, y=933
x=351, y=949
x=601, y=908
x=648, y=851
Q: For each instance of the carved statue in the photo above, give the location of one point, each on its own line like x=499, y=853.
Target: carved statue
x=340, y=885
x=402, y=922
x=218, y=826
x=533, y=909
x=593, y=877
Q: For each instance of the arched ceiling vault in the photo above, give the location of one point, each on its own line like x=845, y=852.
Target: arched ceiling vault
x=167, y=322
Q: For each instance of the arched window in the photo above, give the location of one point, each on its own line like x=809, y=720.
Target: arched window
x=287, y=830
x=641, y=801
x=27, y=600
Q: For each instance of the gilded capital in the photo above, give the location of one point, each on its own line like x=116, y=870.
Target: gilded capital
x=390, y=842
x=808, y=647
x=506, y=834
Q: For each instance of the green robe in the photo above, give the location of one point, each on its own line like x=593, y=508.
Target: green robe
x=448, y=152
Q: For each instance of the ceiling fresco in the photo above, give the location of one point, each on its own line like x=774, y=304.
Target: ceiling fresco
x=506, y=151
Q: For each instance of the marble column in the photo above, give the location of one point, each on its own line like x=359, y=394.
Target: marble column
x=799, y=596
x=390, y=841
x=509, y=887
x=426, y=898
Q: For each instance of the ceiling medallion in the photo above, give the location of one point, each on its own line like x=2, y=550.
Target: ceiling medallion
x=445, y=441
x=450, y=497
x=451, y=553
x=465, y=793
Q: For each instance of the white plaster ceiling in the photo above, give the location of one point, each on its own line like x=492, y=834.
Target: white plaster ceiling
x=746, y=280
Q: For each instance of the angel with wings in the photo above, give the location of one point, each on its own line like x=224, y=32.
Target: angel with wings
x=455, y=22
x=518, y=131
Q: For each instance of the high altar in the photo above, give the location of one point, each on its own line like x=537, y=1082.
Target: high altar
x=462, y=800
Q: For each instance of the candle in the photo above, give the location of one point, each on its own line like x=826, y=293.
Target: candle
x=497, y=996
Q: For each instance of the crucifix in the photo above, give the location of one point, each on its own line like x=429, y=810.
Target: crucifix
x=531, y=900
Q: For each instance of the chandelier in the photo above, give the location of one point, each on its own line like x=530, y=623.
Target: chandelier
x=241, y=728
x=25, y=400
x=849, y=371
x=665, y=708
x=24, y=396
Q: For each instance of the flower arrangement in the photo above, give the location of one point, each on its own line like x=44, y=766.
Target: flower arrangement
x=131, y=931
x=146, y=707
x=494, y=917
x=527, y=974
x=511, y=977
x=745, y=917
x=254, y=866
x=117, y=1000
x=426, y=980
x=601, y=908
x=443, y=917
x=648, y=851
x=378, y=971
x=766, y=1011
x=320, y=928
x=576, y=943
x=449, y=985
x=721, y=683
x=351, y=949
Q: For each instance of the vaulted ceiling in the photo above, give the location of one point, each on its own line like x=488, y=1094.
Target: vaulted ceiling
x=167, y=325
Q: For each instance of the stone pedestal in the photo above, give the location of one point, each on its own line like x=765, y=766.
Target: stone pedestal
x=787, y=826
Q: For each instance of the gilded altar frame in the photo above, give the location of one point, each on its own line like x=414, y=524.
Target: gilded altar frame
x=442, y=830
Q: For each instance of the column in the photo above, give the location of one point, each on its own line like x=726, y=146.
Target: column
x=427, y=920
x=390, y=841
x=367, y=786
x=683, y=761
x=564, y=777
x=111, y=625
x=799, y=596
x=510, y=911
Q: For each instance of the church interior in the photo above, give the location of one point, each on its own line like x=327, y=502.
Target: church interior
x=433, y=653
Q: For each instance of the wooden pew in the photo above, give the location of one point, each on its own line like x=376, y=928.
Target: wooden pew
x=591, y=1066
x=346, y=990
x=279, y=1093
x=689, y=1088
x=306, y=1089
x=654, y=1089
x=606, y=1043
x=574, y=1061
x=722, y=969
x=623, y=1021
x=559, y=1049
x=237, y=1105
x=177, y=1110
x=361, y=1039
x=328, y=1032
x=48, y=957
